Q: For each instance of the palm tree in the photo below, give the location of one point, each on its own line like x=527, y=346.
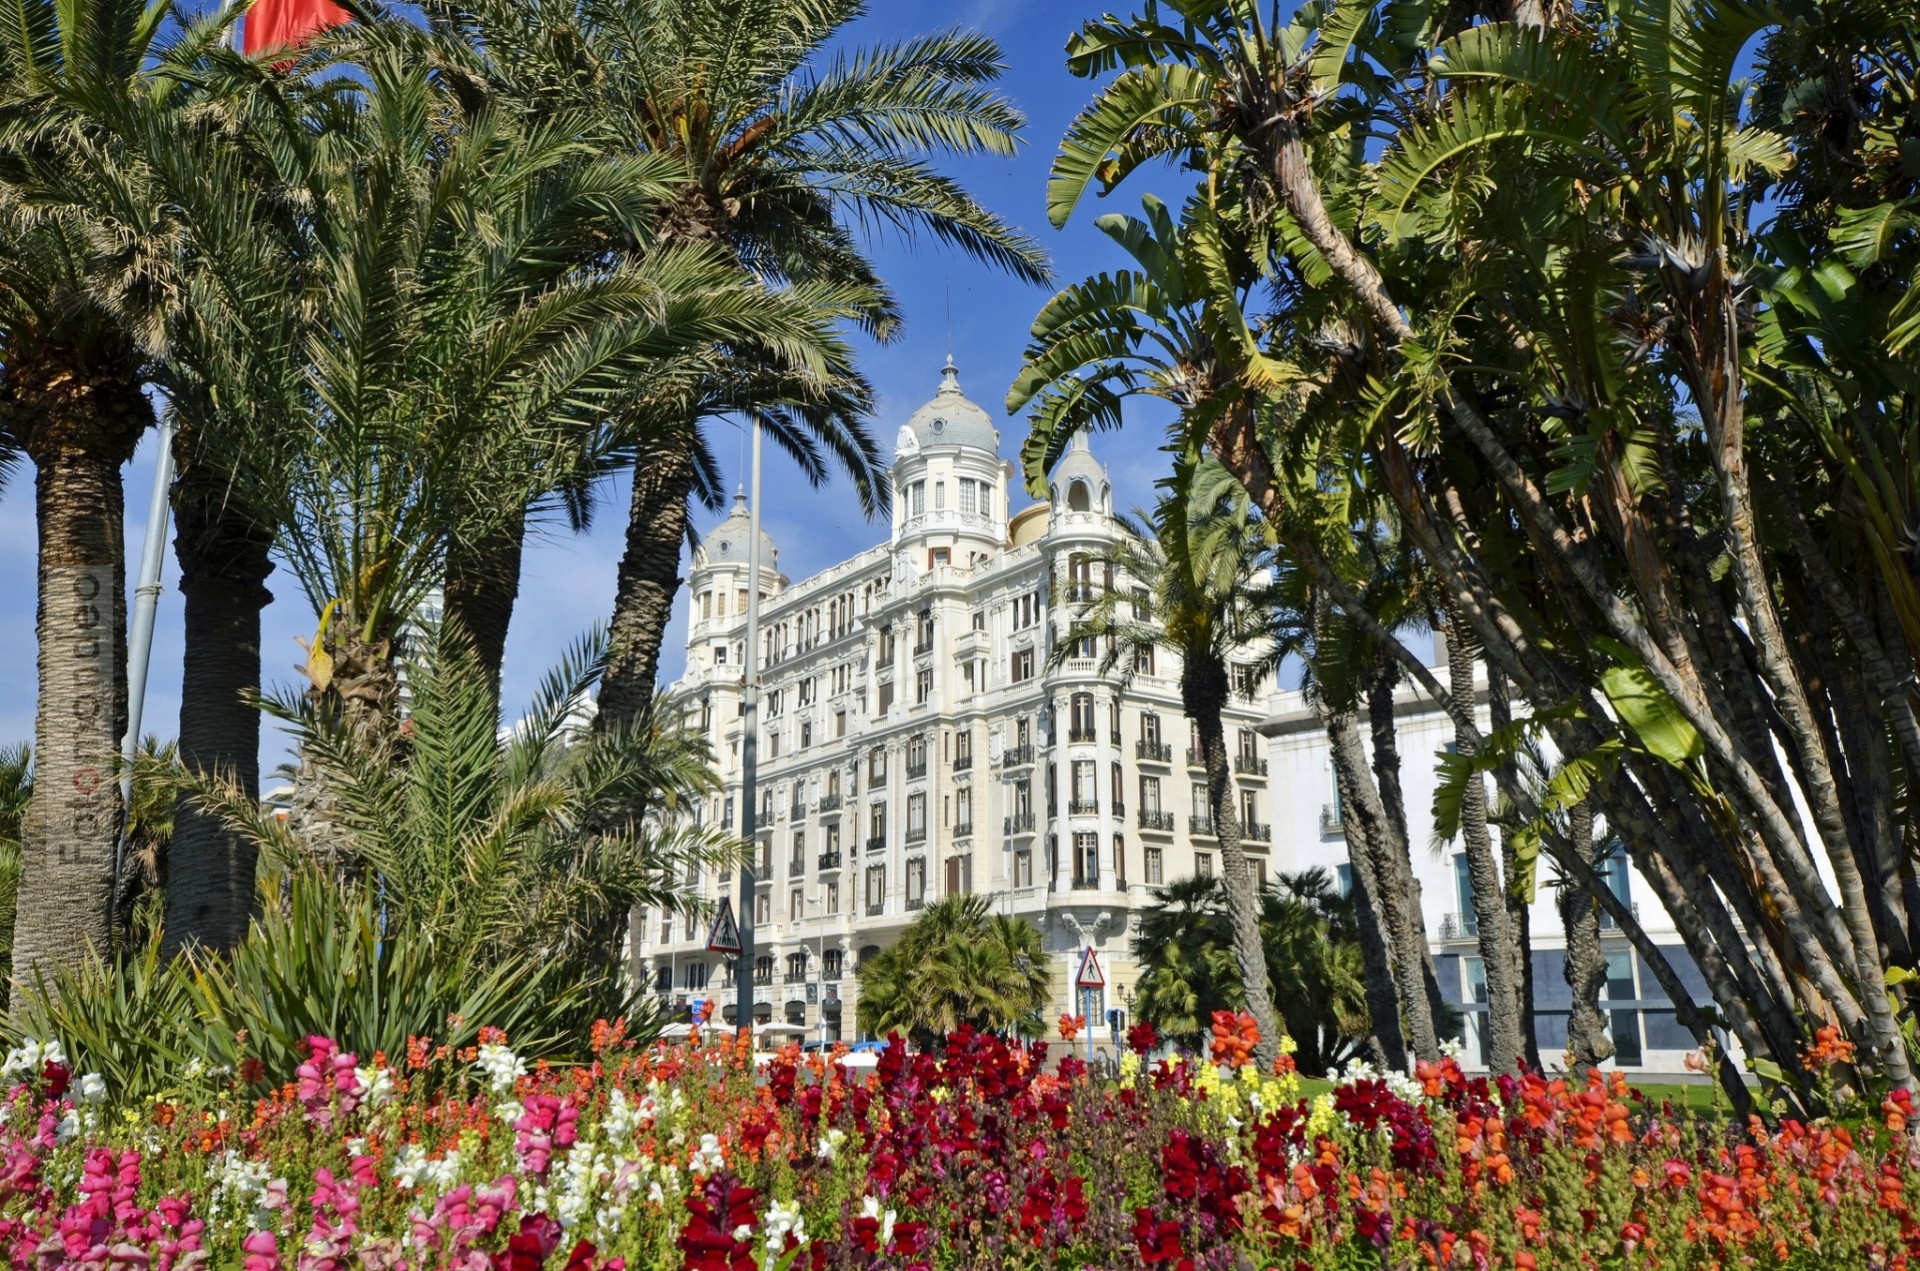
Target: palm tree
x=957, y=963
x=1202, y=559
x=84, y=293
x=16, y=792
x=778, y=157
x=1184, y=946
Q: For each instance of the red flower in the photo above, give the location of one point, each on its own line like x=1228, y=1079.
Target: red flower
x=529, y=1248
x=1142, y=1037
x=1159, y=1241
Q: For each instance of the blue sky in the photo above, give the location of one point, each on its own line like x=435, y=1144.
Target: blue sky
x=568, y=583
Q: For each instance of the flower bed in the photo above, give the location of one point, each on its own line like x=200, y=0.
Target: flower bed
x=982, y=1157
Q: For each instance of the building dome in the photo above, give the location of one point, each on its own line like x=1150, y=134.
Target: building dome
x=726, y=543
x=1079, y=482
x=950, y=419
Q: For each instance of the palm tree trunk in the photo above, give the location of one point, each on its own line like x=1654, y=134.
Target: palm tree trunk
x=1588, y=1039
x=1386, y=1039
x=1505, y=1044
x=1519, y=912
x=1406, y=933
x=73, y=821
x=224, y=562
x=483, y=581
x=1204, y=688
x=1395, y=864
x=648, y=579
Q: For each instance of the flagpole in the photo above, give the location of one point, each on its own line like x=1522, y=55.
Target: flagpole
x=146, y=604
x=749, y=747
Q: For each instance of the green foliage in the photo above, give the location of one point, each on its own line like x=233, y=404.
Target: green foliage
x=1187, y=970
x=957, y=963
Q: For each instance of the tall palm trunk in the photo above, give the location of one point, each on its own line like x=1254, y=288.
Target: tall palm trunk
x=1504, y=1041
x=1203, y=689
x=1519, y=912
x=482, y=584
x=648, y=578
x=78, y=423
x=1406, y=934
x=1386, y=1038
x=224, y=562
x=1588, y=1039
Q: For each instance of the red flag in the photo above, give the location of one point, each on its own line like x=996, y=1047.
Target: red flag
x=279, y=24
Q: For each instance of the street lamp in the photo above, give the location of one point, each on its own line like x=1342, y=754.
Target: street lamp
x=820, y=971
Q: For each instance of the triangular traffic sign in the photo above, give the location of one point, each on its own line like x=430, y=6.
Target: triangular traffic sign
x=725, y=935
x=1090, y=976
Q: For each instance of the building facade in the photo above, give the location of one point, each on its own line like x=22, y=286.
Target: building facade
x=915, y=743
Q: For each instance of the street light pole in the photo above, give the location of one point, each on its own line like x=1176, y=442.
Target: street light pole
x=749, y=746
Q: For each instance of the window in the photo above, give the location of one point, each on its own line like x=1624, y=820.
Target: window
x=796, y=905
x=1085, y=795
x=1026, y=611
x=1245, y=679
x=885, y=655
x=963, y=810
x=1120, y=859
x=766, y=805
x=1116, y=789
x=839, y=724
x=720, y=655
x=979, y=619
x=1249, y=810
x=877, y=822
x=877, y=764
x=832, y=835
x=1203, y=864
x=916, y=882
x=832, y=892
x=1023, y=800
x=1463, y=886
x=1086, y=860
x=763, y=912
x=968, y=498
x=962, y=750
x=916, y=756
x=959, y=876
x=1614, y=870
x=922, y=686
x=885, y=702
x=773, y=745
x=1343, y=879
x=806, y=691
x=1249, y=744
x=876, y=888
x=1023, y=869
x=916, y=817
x=1081, y=715
x=1142, y=605
x=806, y=733
x=706, y=605
x=1149, y=794
x=939, y=496
x=1149, y=728
x=939, y=556
x=797, y=858
x=696, y=976
x=1022, y=665
x=917, y=498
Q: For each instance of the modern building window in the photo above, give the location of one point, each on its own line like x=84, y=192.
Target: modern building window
x=1343, y=879
x=1614, y=869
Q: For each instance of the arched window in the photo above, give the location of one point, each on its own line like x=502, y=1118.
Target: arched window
x=1077, y=498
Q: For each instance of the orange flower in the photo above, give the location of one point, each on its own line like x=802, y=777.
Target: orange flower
x=1829, y=1048
x=1070, y=1026
x=1234, y=1037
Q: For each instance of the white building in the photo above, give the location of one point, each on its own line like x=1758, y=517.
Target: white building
x=914, y=743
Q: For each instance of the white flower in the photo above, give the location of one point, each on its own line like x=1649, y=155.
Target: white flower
x=411, y=1169
x=656, y=1194
x=706, y=1158
x=92, y=1088
x=22, y=1061
x=52, y=1054
x=375, y=1085
x=742, y=1232
x=1453, y=1048
x=242, y=1183
x=500, y=1066
x=69, y=1127
x=782, y=1220
x=624, y=1119
x=830, y=1143
x=510, y=1111
x=870, y=1208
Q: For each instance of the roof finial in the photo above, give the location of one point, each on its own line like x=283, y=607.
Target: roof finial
x=950, y=376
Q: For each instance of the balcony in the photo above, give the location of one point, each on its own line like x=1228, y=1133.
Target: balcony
x=1250, y=765
x=963, y=762
x=916, y=834
x=1083, y=734
x=875, y=908
x=1153, y=752
x=1017, y=756
x=829, y=860
x=832, y=975
x=1459, y=927
x=1200, y=823
x=1018, y=823
x=914, y=769
x=1196, y=757
x=797, y=811
x=1257, y=832
x=1155, y=819
x=829, y=803
x=963, y=829
x=916, y=903
x=1079, y=593
x=1331, y=820
x=796, y=866
x=878, y=843
x=763, y=977
x=1084, y=807
x=797, y=977
x=1087, y=884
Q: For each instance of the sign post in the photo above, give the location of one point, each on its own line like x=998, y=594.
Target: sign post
x=1090, y=979
x=724, y=935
